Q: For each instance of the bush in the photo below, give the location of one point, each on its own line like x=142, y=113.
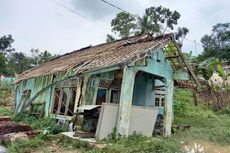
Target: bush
x=205, y=124
x=47, y=125
x=74, y=144
x=138, y=143
x=6, y=94
x=225, y=110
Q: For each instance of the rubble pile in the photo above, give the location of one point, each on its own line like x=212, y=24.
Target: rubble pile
x=10, y=130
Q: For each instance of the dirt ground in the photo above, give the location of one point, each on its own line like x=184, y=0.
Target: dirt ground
x=54, y=147
x=200, y=146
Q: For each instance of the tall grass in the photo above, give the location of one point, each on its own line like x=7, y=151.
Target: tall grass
x=205, y=124
x=6, y=94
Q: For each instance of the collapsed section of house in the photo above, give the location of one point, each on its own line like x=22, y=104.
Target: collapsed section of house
x=123, y=85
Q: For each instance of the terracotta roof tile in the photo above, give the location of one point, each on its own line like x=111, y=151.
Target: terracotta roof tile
x=99, y=56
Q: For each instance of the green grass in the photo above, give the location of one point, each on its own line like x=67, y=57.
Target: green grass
x=205, y=125
x=47, y=125
x=6, y=94
x=5, y=112
x=23, y=146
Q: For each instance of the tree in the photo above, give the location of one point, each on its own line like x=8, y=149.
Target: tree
x=45, y=57
x=217, y=44
x=18, y=62
x=2, y=64
x=109, y=38
x=123, y=24
x=180, y=35
x=206, y=69
x=40, y=57
x=5, y=44
x=156, y=20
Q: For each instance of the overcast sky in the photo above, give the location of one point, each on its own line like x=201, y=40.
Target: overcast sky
x=45, y=25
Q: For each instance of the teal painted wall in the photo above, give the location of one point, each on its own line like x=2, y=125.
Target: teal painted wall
x=158, y=65
x=143, y=88
x=139, y=96
x=35, y=85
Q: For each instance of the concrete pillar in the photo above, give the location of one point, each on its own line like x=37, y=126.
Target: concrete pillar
x=168, y=109
x=125, y=101
x=78, y=94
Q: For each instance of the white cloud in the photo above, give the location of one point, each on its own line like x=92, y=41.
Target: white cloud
x=45, y=25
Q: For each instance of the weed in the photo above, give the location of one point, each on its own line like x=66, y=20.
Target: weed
x=205, y=124
x=47, y=125
x=23, y=146
x=5, y=112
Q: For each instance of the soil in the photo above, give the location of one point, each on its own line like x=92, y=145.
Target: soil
x=200, y=146
x=54, y=147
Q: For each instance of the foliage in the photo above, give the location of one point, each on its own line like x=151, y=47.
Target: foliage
x=17, y=63
x=5, y=112
x=123, y=24
x=158, y=17
x=180, y=34
x=217, y=43
x=5, y=44
x=6, y=94
x=24, y=146
x=155, y=20
x=40, y=57
x=208, y=67
x=138, y=143
x=109, y=38
x=70, y=144
x=47, y=125
x=205, y=124
x=3, y=64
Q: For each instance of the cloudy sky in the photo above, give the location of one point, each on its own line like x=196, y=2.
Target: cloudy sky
x=45, y=25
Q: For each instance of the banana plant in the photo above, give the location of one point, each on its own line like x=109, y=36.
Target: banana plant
x=207, y=68
x=210, y=66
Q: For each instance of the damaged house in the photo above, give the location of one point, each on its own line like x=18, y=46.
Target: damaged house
x=121, y=85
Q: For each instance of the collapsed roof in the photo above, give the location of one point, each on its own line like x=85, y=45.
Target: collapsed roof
x=119, y=52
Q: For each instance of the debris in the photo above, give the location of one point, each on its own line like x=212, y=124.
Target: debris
x=19, y=136
x=100, y=146
x=10, y=130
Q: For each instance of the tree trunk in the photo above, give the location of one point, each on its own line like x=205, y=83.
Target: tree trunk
x=195, y=101
x=214, y=98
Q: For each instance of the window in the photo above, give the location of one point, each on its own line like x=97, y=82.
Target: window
x=115, y=95
x=101, y=96
x=64, y=105
x=162, y=102
x=157, y=102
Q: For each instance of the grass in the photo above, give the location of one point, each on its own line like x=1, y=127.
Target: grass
x=6, y=94
x=5, y=112
x=23, y=146
x=47, y=125
x=205, y=125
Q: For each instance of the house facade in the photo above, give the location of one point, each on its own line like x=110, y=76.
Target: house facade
x=121, y=85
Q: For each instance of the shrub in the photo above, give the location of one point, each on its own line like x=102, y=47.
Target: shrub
x=47, y=125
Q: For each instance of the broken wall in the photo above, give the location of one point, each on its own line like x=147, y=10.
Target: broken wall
x=142, y=120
